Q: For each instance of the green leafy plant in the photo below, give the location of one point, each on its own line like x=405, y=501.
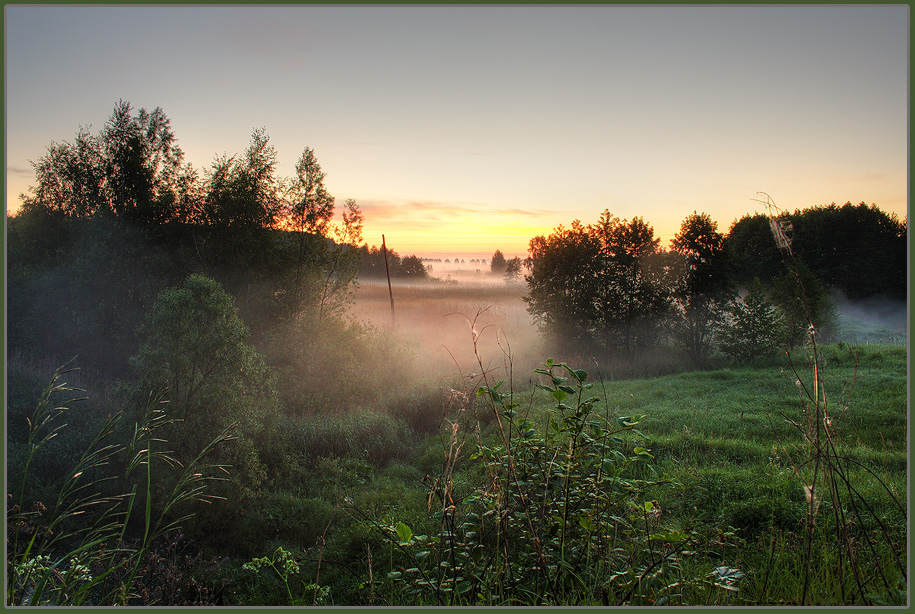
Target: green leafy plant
x=556, y=514
x=561, y=518
x=749, y=329
x=284, y=565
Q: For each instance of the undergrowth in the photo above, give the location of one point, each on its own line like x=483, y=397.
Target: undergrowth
x=75, y=549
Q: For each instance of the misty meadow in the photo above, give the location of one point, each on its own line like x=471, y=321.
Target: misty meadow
x=218, y=393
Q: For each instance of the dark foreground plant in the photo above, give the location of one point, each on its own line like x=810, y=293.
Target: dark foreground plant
x=78, y=550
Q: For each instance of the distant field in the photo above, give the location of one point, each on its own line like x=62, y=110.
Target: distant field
x=434, y=320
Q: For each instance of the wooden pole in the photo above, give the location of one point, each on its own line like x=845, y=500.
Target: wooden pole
x=384, y=251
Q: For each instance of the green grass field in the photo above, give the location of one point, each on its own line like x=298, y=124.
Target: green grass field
x=728, y=468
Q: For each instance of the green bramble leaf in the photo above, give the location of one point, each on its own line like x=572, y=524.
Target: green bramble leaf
x=404, y=533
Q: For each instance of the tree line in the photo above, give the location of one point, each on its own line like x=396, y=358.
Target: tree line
x=116, y=216
x=609, y=286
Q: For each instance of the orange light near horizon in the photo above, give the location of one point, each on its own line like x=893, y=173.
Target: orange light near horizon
x=454, y=238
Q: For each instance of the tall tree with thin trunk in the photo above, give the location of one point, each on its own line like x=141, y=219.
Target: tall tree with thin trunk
x=340, y=264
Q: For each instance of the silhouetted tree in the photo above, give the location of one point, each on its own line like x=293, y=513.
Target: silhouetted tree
x=513, y=269
x=636, y=283
x=69, y=179
x=498, y=263
x=857, y=249
x=131, y=169
x=753, y=250
x=607, y=282
x=340, y=262
x=306, y=213
x=243, y=193
x=142, y=165
x=563, y=283
x=372, y=262
x=706, y=286
x=413, y=267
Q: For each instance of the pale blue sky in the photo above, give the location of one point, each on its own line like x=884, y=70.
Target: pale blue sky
x=481, y=126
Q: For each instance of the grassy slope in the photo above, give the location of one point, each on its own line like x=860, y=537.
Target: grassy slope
x=741, y=412
x=750, y=405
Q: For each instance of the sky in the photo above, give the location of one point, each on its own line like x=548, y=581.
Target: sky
x=465, y=129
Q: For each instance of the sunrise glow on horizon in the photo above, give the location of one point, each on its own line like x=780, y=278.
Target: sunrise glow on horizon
x=465, y=129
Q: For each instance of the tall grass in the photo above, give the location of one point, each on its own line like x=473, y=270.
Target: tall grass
x=77, y=550
x=864, y=564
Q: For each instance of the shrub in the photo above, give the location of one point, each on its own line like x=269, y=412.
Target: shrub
x=194, y=342
x=557, y=513
x=750, y=329
x=291, y=519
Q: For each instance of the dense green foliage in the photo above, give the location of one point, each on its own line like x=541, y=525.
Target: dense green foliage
x=856, y=249
x=750, y=326
x=193, y=342
x=703, y=495
x=606, y=283
x=706, y=287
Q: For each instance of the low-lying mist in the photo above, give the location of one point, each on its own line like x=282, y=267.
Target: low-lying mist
x=876, y=311
x=443, y=322
x=872, y=320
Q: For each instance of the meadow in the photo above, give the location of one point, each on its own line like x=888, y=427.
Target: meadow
x=490, y=474
x=716, y=468
x=209, y=403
